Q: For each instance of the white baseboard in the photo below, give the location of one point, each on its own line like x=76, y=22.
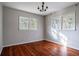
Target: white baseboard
x=21, y=43
x=61, y=44
x=40, y=40
x=1, y=50
x=54, y=42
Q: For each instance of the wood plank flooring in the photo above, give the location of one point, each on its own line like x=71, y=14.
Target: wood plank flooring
x=41, y=48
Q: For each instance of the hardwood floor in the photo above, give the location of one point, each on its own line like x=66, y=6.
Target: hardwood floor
x=41, y=48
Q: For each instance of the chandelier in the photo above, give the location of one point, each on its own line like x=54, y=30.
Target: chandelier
x=43, y=7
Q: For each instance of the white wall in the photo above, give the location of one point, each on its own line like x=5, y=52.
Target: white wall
x=73, y=36
x=12, y=35
x=1, y=28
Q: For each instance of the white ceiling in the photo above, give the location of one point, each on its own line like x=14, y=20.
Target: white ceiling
x=32, y=6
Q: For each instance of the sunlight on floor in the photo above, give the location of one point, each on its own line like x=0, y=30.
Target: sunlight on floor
x=63, y=51
x=63, y=40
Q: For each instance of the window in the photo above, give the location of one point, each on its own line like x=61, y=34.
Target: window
x=27, y=23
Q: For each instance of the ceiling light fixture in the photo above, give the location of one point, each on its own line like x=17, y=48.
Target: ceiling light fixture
x=43, y=7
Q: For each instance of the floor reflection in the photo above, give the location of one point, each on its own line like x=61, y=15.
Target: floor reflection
x=63, y=51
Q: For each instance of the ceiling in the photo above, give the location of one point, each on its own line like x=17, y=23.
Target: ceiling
x=32, y=6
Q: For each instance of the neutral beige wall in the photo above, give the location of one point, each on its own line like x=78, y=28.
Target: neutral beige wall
x=73, y=36
x=12, y=35
x=1, y=33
